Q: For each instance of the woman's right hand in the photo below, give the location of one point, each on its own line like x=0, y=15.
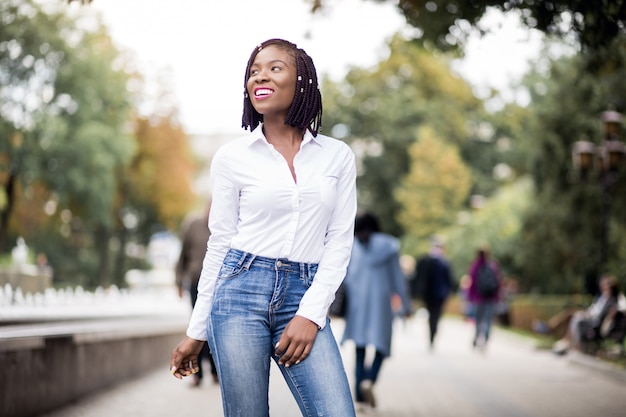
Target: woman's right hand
x=184, y=360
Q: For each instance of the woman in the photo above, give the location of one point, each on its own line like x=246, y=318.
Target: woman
x=282, y=220
x=374, y=278
x=484, y=294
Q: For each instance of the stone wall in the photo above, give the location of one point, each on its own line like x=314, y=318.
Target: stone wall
x=46, y=366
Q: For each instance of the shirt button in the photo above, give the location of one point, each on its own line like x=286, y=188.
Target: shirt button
x=279, y=264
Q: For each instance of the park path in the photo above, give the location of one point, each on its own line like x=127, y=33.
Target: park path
x=511, y=378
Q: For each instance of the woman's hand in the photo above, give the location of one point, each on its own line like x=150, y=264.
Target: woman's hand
x=296, y=342
x=184, y=360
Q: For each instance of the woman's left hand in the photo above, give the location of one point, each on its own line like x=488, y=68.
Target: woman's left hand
x=296, y=342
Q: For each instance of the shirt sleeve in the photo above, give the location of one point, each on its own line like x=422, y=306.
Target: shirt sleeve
x=337, y=247
x=223, y=219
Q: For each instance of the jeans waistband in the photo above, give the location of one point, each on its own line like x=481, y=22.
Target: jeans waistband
x=247, y=260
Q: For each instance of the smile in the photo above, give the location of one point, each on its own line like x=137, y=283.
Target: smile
x=263, y=92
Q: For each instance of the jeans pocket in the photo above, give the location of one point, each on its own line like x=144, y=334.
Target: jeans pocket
x=230, y=268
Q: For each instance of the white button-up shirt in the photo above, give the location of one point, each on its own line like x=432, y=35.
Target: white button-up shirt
x=258, y=207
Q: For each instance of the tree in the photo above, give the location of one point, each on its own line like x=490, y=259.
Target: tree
x=447, y=24
x=434, y=190
x=498, y=225
x=380, y=110
x=562, y=235
x=30, y=52
x=66, y=109
x=160, y=175
x=73, y=172
x=154, y=191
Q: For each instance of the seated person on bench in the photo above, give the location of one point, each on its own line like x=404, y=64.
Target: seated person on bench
x=581, y=323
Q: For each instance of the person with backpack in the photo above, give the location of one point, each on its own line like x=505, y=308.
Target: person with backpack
x=484, y=293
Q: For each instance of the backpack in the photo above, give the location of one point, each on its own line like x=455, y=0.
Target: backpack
x=486, y=281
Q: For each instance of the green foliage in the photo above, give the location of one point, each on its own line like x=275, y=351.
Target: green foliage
x=562, y=243
x=158, y=181
x=447, y=24
x=383, y=108
x=434, y=190
x=69, y=186
x=497, y=225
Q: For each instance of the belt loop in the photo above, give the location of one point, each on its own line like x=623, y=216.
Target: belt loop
x=242, y=258
x=251, y=259
x=302, y=270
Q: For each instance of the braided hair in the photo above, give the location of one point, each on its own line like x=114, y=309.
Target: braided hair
x=306, y=108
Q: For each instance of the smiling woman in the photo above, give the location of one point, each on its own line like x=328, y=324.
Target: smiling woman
x=292, y=68
x=281, y=221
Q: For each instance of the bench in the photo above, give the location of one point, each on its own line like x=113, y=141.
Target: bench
x=610, y=334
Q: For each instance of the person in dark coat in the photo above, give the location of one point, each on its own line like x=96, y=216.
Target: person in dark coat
x=434, y=275
x=194, y=236
x=373, y=278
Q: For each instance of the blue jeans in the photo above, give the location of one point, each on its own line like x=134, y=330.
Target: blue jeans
x=483, y=317
x=255, y=298
x=363, y=372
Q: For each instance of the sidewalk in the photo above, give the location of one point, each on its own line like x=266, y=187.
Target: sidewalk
x=509, y=379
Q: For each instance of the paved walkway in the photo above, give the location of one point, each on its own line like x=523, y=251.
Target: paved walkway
x=509, y=379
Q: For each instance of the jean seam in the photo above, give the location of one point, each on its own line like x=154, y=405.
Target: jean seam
x=297, y=390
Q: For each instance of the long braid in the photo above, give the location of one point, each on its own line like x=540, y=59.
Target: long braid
x=305, y=111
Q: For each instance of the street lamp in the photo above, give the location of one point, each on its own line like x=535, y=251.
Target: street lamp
x=606, y=160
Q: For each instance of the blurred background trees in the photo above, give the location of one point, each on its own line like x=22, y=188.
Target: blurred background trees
x=84, y=177
x=88, y=179
x=527, y=201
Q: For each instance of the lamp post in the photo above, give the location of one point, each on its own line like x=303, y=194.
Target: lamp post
x=605, y=161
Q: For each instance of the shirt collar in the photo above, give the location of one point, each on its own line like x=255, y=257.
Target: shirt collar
x=257, y=136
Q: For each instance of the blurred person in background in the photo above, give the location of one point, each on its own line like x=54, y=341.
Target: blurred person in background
x=434, y=276
x=373, y=280
x=586, y=323
x=484, y=294
x=194, y=237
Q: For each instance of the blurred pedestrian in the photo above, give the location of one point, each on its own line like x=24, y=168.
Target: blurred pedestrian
x=484, y=293
x=194, y=237
x=434, y=276
x=585, y=324
x=282, y=224
x=373, y=279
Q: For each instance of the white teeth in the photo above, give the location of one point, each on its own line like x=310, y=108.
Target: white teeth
x=262, y=92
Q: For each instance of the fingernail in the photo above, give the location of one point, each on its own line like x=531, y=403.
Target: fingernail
x=297, y=362
x=173, y=370
x=277, y=343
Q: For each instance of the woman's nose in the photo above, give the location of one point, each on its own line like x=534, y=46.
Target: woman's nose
x=262, y=76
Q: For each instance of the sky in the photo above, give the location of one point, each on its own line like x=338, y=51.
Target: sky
x=204, y=46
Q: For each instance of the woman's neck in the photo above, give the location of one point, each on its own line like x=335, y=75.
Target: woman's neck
x=282, y=135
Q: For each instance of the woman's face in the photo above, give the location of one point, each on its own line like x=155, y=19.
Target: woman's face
x=272, y=81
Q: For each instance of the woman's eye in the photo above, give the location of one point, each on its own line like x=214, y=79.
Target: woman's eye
x=276, y=68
